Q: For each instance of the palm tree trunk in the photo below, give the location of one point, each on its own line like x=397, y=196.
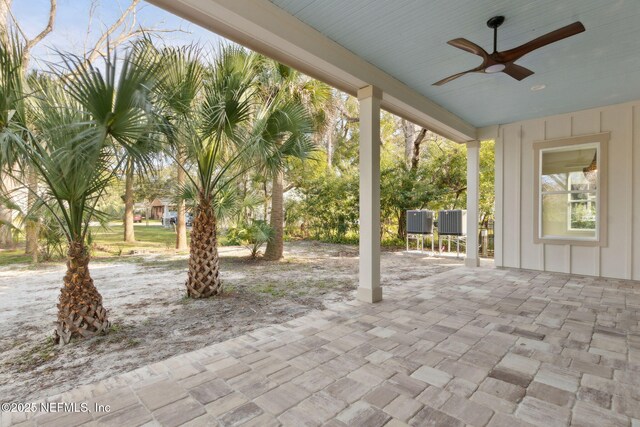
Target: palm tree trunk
x=265, y=204
x=6, y=215
x=275, y=247
x=80, y=310
x=129, y=234
x=203, y=279
x=31, y=227
x=6, y=237
x=181, y=221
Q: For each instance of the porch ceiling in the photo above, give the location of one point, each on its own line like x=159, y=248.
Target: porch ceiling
x=407, y=39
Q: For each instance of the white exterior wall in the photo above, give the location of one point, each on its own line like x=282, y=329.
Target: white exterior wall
x=514, y=246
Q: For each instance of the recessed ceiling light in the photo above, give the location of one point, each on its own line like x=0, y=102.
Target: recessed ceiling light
x=536, y=88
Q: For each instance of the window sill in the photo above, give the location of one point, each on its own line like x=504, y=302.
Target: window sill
x=569, y=241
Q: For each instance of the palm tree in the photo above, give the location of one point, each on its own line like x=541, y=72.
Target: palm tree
x=133, y=169
x=232, y=129
x=290, y=86
x=85, y=119
x=180, y=92
x=13, y=128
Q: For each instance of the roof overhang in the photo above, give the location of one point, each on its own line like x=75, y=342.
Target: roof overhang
x=267, y=29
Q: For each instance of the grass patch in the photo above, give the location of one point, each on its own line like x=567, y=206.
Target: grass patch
x=107, y=243
x=131, y=342
x=297, y=289
x=272, y=289
x=13, y=256
x=35, y=356
x=170, y=264
x=152, y=238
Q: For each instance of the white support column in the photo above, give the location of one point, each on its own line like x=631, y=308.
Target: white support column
x=473, y=194
x=369, y=288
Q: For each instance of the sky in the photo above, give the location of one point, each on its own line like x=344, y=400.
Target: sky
x=72, y=22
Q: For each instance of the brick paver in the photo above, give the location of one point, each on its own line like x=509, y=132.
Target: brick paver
x=496, y=347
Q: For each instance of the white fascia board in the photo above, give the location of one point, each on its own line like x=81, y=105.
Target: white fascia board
x=267, y=29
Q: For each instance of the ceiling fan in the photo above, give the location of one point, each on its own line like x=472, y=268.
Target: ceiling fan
x=504, y=61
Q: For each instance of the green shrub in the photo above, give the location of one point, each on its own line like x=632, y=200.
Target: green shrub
x=252, y=236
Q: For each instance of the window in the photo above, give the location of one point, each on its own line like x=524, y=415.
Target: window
x=569, y=190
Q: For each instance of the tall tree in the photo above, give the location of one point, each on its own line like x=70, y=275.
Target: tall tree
x=181, y=95
x=124, y=28
x=286, y=85
x=13, y=128
x=9, y=24
x=129, y=171
x=232, y=131
x=83, y=121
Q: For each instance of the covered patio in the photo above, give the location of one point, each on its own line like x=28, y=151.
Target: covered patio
x=390, y=54
x=476, y=347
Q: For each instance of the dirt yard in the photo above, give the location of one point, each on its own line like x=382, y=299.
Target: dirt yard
x=151, y=318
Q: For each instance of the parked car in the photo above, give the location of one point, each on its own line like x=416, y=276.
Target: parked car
x=137, y=218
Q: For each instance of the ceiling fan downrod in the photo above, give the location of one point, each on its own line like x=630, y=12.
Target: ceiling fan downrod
x=494, y=23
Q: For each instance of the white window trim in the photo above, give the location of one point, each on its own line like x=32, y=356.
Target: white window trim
x=599, y=141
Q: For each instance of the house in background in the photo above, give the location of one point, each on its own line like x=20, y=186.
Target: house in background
x=160, y=206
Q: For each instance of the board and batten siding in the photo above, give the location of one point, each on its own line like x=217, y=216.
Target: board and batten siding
x=515, y=228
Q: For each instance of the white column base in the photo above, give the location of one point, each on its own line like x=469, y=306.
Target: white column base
x=472, y=262
x=369, y=295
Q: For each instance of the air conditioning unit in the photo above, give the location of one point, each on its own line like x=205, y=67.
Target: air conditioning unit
x=420, y=222
x=452, y=223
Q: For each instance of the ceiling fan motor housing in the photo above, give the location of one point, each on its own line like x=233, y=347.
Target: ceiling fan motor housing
x=495, y=22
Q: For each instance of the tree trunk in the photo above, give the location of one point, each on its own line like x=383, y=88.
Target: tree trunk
x=402, y=225
x=329, y=131
x=275, y=246
x=330, y=150
x=6, y=237
x=181, y=220
x=203, y=279
x=415, y=154
x=80, y=310
x=31, y=227
x=409, y=132
x=6, y=215
x=265, y=205
x=129, y=234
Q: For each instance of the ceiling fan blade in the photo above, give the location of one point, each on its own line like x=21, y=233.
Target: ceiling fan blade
x=517, y=72
x=470, y=47
x=455, y=76
x=552, y=37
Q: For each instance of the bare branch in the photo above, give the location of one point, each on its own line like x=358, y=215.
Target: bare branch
x=30, y=43
x=7, y=9
x=92, y=11
x=37, y=39
x=95, y=52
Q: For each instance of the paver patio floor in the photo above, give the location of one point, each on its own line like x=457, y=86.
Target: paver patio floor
x=466, y=347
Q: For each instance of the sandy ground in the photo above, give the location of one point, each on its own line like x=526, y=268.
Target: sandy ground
x=151, y=318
